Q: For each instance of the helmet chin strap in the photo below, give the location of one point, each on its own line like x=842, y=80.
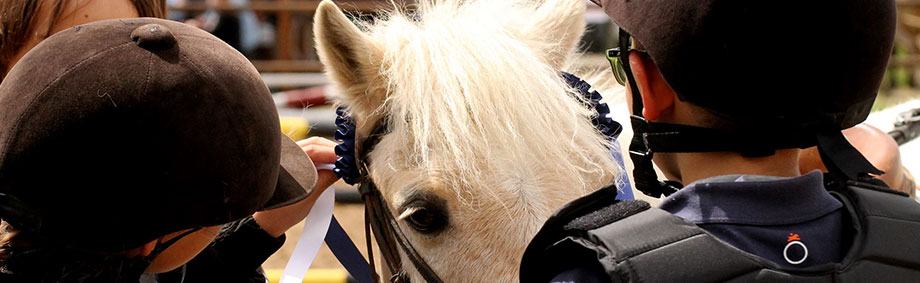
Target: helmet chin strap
x=643, y=171
x=839, y=156
x=842, y=159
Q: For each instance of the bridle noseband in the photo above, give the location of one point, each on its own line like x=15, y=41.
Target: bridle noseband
x=353, y=165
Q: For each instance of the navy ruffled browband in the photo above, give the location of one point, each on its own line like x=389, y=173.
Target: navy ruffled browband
x=604, y=124
x=347, y=168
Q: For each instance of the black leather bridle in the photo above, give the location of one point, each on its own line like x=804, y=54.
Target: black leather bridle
x=377, y=217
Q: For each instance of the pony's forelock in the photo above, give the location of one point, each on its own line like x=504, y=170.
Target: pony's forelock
x=478, y=103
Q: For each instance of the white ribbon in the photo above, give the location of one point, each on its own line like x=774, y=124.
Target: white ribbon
x=311, y=238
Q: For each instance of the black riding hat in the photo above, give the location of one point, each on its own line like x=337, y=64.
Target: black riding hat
x=788, y=62
x=118, y=132
x=787, y=74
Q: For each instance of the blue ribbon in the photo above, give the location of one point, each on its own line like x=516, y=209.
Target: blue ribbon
x=347, y=253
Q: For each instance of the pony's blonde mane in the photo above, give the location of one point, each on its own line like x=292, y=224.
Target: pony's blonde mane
x=477, y=100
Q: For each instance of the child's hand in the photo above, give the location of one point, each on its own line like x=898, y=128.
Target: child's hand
x=321, y=151
x=276, y=221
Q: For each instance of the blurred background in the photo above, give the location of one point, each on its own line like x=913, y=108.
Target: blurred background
x=277, y=36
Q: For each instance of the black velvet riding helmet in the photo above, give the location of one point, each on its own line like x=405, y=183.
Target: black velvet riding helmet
x=788, y=61
x=118, y=132
x=787, y=74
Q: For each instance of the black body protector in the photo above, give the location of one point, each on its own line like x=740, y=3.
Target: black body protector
x=705, y=58
x=634, y=242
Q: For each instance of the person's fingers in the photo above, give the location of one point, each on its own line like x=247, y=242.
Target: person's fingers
x=316, y=141
x=320, y=154
x=320, y=150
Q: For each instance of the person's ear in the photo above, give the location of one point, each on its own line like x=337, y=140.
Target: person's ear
x=657, y=95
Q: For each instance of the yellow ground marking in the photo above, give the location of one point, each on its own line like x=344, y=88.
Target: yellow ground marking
x=313, y=275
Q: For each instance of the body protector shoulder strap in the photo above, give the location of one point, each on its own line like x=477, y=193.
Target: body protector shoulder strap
x=632, y=242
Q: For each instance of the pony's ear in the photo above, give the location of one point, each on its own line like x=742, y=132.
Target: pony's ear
x=557, y=29
x=350, y=59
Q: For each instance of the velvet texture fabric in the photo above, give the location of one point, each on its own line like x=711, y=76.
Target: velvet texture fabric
x=798, y=64
x=115, y=133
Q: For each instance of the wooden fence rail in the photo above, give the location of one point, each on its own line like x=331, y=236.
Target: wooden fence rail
x=293, y=50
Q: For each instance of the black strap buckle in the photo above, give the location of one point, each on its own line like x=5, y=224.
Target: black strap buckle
x=644, y=172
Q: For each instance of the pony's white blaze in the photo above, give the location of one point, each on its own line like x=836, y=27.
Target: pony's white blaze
x=480, y=120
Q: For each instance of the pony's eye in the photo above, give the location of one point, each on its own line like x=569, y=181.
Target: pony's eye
x=424, y=217
x=425, y=221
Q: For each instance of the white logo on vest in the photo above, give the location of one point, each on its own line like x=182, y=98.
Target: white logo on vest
x=795, y=240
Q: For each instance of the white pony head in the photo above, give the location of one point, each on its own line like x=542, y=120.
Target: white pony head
x=486, y=139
